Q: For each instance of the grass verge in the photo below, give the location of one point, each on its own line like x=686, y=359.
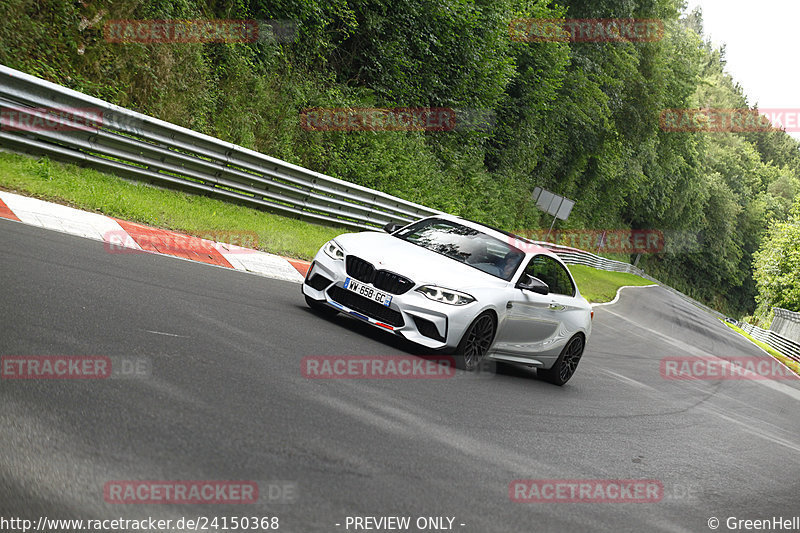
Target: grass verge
x=91, y=190
x=600, y=286
x=788, y=361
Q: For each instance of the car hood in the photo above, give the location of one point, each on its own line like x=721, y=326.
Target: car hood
x=419, y=264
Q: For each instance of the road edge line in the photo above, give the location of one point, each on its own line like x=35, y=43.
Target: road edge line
x=616, y=298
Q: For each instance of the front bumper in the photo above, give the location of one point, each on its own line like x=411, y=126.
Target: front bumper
x=411, y=315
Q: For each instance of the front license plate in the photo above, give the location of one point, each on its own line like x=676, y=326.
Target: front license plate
x=367, y=292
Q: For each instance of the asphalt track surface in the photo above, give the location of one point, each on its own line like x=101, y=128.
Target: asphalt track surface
x=225, y=400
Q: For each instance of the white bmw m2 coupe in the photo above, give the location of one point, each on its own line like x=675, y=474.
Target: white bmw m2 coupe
x=458, y=286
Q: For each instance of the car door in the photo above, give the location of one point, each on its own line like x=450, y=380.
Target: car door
x=533, y=321
x=565, y=306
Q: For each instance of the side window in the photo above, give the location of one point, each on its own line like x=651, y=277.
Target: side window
x=551, y=272
x=565, y=285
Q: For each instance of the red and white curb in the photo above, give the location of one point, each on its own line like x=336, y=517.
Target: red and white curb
x=121, y=236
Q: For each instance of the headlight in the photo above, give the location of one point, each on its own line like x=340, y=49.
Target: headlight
x=333, y=250
x=446, y=296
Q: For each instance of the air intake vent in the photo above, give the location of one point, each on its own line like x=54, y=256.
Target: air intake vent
x=318, y=282
x=428, y=328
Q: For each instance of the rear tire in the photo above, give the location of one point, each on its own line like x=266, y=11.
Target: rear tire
x=475, y=343
x=320, y=308
x=566, y=364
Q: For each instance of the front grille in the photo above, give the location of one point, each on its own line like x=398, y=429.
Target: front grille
x=428, y=329
x=366, y=306
x=391, y=282
x=318, y=282
x=359, y=269
x=382, y=279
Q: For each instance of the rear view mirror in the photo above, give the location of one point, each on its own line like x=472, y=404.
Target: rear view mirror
x=529, y=283
x=391, y=227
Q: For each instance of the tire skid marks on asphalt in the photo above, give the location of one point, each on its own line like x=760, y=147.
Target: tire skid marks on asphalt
x=649, y=333
x=165, y=334
x=629, y=381
x=746, y=407
x=753, y=430
x=406, y=423
x=688, y=349
x=778, y=386
x=41, y=471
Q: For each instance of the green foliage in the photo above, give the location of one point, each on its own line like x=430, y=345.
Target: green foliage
x=429, y=52
x=777, y=265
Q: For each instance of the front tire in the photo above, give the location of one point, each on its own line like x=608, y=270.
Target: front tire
x=320, y=308
x=566, y=364
x=475, y=343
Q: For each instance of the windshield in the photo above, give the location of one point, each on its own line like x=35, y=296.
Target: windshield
x=465, y=245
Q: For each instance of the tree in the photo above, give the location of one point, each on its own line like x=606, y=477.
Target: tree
x=777, y=265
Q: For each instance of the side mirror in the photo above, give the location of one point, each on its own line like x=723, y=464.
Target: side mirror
x=391, y=227
x=529, y=283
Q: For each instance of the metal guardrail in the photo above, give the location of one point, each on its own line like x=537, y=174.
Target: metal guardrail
x=127, y=143
x=785, y=346
x=785, y=314
x=786, y=323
